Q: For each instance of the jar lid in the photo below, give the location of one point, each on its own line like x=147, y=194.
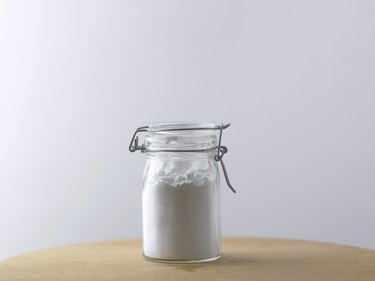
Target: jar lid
x=183, y=137
x=183, y=126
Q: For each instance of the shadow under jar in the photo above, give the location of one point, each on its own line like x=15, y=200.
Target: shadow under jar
x=181, y=192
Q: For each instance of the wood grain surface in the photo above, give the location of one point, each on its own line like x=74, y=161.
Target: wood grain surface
x=242, y=259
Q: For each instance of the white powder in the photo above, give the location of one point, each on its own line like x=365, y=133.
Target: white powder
x=181, y=219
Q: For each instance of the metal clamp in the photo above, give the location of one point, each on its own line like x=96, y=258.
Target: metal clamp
x=221, y=150
x=135, y=147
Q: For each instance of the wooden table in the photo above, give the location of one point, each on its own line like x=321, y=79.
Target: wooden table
x=243, y=259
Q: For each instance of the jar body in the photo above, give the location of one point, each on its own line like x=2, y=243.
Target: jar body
x=181, y=207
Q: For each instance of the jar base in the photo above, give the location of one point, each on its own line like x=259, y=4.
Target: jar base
x=181, y=261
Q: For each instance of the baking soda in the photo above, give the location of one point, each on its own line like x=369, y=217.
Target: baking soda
x=181, y=219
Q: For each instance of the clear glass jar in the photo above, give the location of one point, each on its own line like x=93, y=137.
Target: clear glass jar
x=181, y=193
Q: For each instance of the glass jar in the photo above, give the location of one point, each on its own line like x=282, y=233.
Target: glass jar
x=181, y=194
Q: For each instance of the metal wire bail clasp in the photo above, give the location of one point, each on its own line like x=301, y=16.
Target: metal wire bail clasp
x=133, y=146
x=221, y=150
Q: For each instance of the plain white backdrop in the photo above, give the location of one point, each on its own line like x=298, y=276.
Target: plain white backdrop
x=295, y=78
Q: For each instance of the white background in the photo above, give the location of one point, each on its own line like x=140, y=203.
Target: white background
x=295, y=78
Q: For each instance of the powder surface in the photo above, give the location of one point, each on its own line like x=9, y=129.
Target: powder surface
x=181, y=219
